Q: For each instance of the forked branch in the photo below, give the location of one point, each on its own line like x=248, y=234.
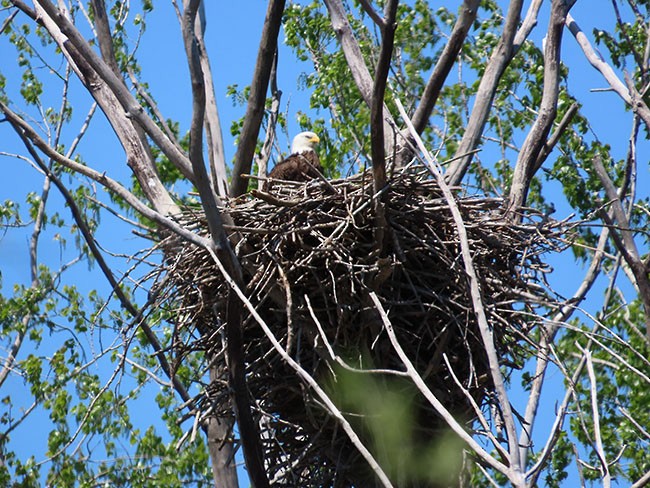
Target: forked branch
x=628, y=93
x=501, y=57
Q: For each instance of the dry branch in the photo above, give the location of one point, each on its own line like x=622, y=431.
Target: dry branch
x=536, y=139
x=257, y=97
x=499, y=61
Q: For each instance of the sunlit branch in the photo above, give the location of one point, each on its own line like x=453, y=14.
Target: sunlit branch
x=606, y=477
x=101, y=178
x=220, y=243
x=377, y=120
x=265, y=154
x=257, y=97
x=626, y=245
x=496, y=66
x=628, y=93
x=129, y=103
x=447, y=59
x=431, y=398
x=213, y=133
x=535, y=140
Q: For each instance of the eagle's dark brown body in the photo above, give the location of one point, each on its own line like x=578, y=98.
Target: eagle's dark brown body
x=298, y=167
x=302, y=164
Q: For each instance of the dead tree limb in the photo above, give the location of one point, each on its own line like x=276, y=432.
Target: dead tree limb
x=538, y=134
x=88, y=237
x=257, y=98
x=501, y=57
x=372, y=13
x=354, y=58
x=262, y=159
x=351, y=50
x=104, y=37
x=377, y=120
x=628, y=93
x=306, y=377
x=626, y=244
x=516, y=468
x=242, y=401
x=546, y=340
x=100, y=177
x=446, y=61
x=555, y=137
x=212, y=123
x=130, y=135
x=71, y=37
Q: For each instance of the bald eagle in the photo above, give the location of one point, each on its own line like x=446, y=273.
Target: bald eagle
x=302, y=164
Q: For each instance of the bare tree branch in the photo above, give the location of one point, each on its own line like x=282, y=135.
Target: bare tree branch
x=131, y=135
x=372, y=13
x=213, y=132
x=8, y=20
x=501, y=57
x=536, y=138
x=529, y=23
x=629, y=94
x=431, y=398
x=555, y=137
x=72, y=41
x=627, y=247
x=236, y=366
x=516, y=473
x=210, y=203
x=446, y=61
x=351, y=50
x=547, y=338
x=328, y=403
x=104, y=35
x=354, y=57
x=377, y=120
x=101, y=178
x=257, y=98
x=641, y=482
x=606, y=477
x=265, y=154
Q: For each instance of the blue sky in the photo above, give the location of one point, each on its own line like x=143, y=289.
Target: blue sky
x=233, y=33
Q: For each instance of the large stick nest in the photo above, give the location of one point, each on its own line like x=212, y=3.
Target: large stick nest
x=311, y=258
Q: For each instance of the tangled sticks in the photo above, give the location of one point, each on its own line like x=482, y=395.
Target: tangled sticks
x=311, y=260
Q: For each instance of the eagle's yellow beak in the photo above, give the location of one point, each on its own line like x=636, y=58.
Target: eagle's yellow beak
x=315, y=139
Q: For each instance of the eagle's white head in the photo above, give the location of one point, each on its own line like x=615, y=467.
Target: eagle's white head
x=304, y=142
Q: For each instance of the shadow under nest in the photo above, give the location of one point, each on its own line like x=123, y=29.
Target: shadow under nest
x=310, y=262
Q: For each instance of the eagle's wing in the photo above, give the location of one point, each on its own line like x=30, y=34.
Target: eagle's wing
x=297, y=167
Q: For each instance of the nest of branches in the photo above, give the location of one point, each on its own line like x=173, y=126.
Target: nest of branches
x=311, y=261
